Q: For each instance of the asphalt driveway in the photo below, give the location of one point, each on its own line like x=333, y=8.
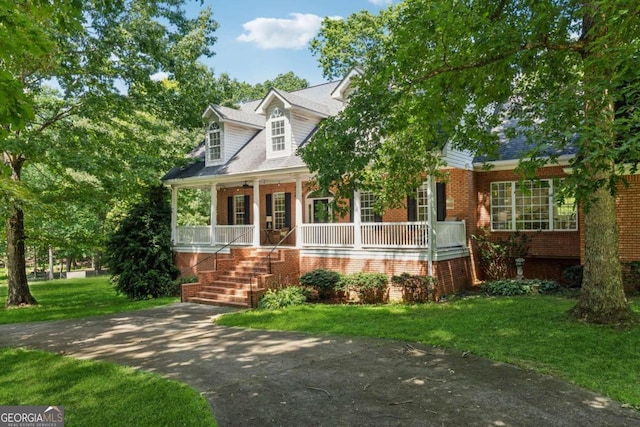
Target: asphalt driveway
x=263, y=378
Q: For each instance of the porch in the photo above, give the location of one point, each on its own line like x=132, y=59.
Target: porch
x=445, y=235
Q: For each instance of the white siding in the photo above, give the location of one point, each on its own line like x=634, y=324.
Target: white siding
x=456, y=158
x=301, y=127
x=235, y=137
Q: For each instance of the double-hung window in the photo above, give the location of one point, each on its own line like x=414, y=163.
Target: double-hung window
x=277, y=120
x=530, y=206
x=214, y=142
x=367, y=202
x=279, y=209
x=238, y=209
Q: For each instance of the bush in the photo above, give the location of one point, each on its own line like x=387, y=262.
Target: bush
x=510, y=287
x=285, y=297
x=370, y=287
x=139, y=250
x=324, y=281
x=573, y=276
x=497, y=257
x=416, y=288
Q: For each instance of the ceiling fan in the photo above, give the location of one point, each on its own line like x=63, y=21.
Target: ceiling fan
x=245, y=185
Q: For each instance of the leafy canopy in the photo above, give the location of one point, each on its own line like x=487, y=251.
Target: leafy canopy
x=438, y=71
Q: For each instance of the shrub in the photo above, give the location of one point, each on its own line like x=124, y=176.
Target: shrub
x=508, y=287
x=285, y=297
x=573, y=276
x=324, y=281
x=497, y=257
x=370, y=287
x=139, y=250
x=416, y=288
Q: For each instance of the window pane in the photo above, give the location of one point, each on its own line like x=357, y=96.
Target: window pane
x=238, y=209
x=277, y=135
x=532, y=205
x=565, y=216
x=367, y=200
x=214, y=142
x=422, y=202
x=501, y=206
x=278, y=210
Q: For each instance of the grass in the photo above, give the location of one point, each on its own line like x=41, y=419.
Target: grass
x=531, y=332
x=92, y=393
x=98, y=393
x=73, y=298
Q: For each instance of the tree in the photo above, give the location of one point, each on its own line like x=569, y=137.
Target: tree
x=80, y=92
x=236, y=92
x=438, y=70
x=139, y=250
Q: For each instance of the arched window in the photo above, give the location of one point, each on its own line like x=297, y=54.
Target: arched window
x=214, y=142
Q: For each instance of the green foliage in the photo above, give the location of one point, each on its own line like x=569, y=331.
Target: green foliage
x=509, y=287
x=497, y=256
x=282, y=298
x=370, y=287
x=321, y=279
x=573, y=276
x=416, y=288
x=139, y=251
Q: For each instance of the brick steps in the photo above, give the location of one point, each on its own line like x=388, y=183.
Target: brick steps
x=233, y=288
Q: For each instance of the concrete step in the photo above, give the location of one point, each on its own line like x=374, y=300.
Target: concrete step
x=207, y=301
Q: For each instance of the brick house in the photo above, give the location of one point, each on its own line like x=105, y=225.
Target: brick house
x=267, y=227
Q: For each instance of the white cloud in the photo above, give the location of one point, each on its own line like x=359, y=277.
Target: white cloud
x=274, y=33
x=380, y=2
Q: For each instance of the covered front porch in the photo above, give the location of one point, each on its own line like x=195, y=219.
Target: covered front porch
x=443, y=235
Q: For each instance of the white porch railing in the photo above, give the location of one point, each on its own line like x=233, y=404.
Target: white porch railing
x=395, y=234
x=451, y=234
x=327, y=235
x=234, y=234
x=224, y=234
x=193, y=234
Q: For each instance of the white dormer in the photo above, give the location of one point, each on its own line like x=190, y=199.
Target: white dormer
x=215, y=144
x=346, y=87
x=227, y=131
x=278, y=131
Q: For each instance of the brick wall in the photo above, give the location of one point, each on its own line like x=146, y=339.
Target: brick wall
x=628, y=205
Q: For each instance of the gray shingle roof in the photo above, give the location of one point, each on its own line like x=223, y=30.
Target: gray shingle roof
x=240, y=116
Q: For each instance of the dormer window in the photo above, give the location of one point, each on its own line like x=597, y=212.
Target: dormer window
x=214, y=142
x=277, y=120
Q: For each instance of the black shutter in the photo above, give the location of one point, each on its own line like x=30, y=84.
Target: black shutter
x=412, y=209
x=377, y=217
x=287, y=210
x=230, y=210
x=441, y=201
x=247, y=210
x=268, y=205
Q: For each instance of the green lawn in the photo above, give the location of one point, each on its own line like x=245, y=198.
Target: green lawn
x=73, y=298
x=532, y=332
x=93, y=393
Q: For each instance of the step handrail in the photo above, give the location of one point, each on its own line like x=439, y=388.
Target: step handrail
x=215, y=254
x=266, y=258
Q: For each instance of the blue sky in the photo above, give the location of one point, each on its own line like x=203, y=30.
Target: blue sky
x=259, y=39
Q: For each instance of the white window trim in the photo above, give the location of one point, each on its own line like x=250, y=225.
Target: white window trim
x=238, y=209
x=278, y=214
x=211, y=130
x=278, y=114
x=551, y=207
x=370, y=198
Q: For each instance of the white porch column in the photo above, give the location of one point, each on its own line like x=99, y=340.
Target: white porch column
x=357, y=221
x=214, y=212
x=174, y=214
x=298, y=212
x=431, y=224
x=256, y=213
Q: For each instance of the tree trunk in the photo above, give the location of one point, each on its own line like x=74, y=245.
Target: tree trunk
x=602, y=299
x=18, y=289
x=19, y=293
